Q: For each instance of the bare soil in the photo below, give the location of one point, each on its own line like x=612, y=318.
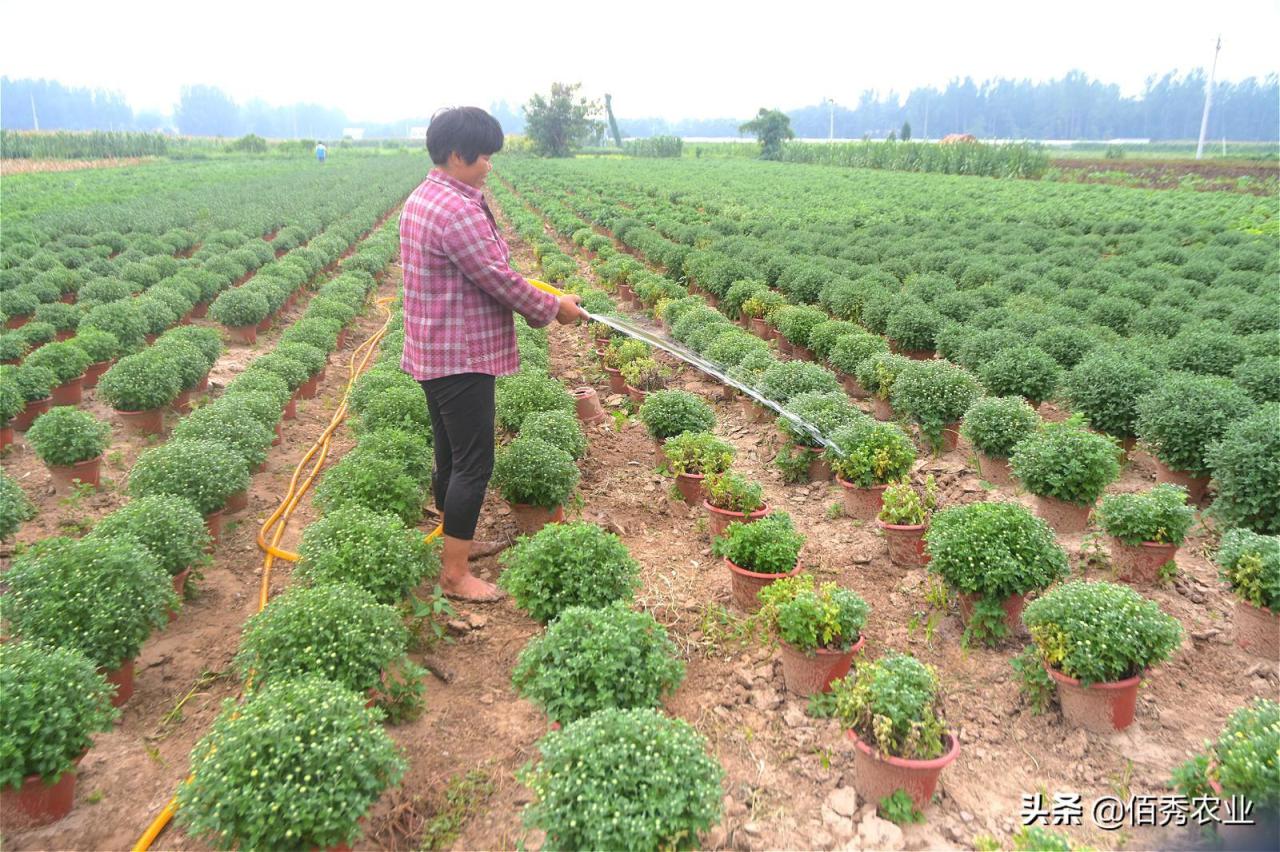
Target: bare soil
x=19, y=167
x=1203, y=175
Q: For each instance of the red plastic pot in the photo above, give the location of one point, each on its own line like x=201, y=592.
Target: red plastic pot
x=804, y=353
x=530, y=519
x=690, y=487
x=660, y=460
x=906, y=544
x=6, y=436
x=87, y=472
x=17, y=321
x=243, y=334
x=36, y=803
x=747, y=584
x=1257, y=630
x=918, y=354
x=94, y=372
x=995, y=470
x=1100, y=707
x=1065, y=518
x=1012, y=606
x=853, y=387
x=862, y=503
x=291, y=409
x=1195, y=485
x=179, y=588
x=200, y=309
x=149, y=422
x=22, y=421
x=752, y=411
x=876, y=776
x=309, y=388
x=587, y=402
x=275, y=442
x=881, y=409
x=761, y=329
x=213, y=523
x=182, y=402
x=637, y=395
x=718, y=519
x=1140, y=563
x=122, y=678
x=237, y=502
x=617, y=384
x=68, y=393
x=785, y=347
x=950, y=436
x=807, y=674
x=265, y=326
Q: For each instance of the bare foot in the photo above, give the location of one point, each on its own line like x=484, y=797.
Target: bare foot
x=473, y=589
x=481, y=549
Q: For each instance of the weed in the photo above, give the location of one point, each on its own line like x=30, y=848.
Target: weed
x=793, y=463
x=986, y=843
x=115, y=458
x=428, y=618
x=1121, y=780
x=900, y=809
x=1034, y=682
x=722, y=631
x=822, y=705
x=835, y=511
x=935, y=593
x=1168, y=573
x=94, y=797
x=402, y=691
x=620, y=418
x=1093, y=554
x=174, y=717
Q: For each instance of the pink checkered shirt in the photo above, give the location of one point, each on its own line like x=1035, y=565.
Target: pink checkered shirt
x=459, y=289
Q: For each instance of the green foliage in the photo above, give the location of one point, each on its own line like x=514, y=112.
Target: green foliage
x=772, y=127
x=119, y=319
x=905, y=505
x=374, y=551
x=1250, y=564
x=913, y=326
x=1183, y=417
x=994, y=550
x=52, y=702
x=140, y=382
x=995, y=425
x=167, y=527
x=102, y=597
x=796, y=323
x=525, y=393
x=377, y=381
x=260, y=381
x=227, y=424
x=1033, y=838
x=826, y=411
x=698, y=453
x=204, y=472
x=1246, y=755
x=934, y=394
x=1024, y=371
x=533, y=472
x=668, y=413
x=1160, y=514
x=733, y=492
x=1191, y=778
x=65, y=435
x=239, y=307
x=306, y=745
x=593, y=659
x=559, y=429
x=899, y=808
x=65, y=359
x=624, y=779
x=1105, y=388
x=380, y=485
x=410, y=451
x=1100, y=632
x=1260, y=378
x=894, y=706
x=1245, y=464
x=396, y=408
x=809, y=618
x=559, y=124
x=1206, y=351
x=787, y=379
x=770, y=545
x=293, y=372
x=1066, y=462
x=1034, y=683
x=645, y=374
x=15, y=506
x=565, y=565
x=871, y=453
x=32, y=383
x=878, y=372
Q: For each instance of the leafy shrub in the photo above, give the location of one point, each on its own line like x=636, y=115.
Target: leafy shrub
x=140, y=382
x=871, y=453
x=206, y=340
x=558, y=428
x=623, y=350
x=824, y=335
x=668, y=413
x=645, y=374
x=1160, y=514
x=934, y=394
x=770, y=545
x=1021, y=371
x=1243, y=757
x=32, y=382
x=733, y=492
x=410, y=451
x=698, y=453
x=525, y=393
x=183, y=358
x=102, y=597
x=995, y=425
x=293, y=372
x=795, y=323
x=11, y=401
x=167, y=527
x=119, y=319
x=65, y=359
x=1245, y=464
x=338, y=631
x=65, y=435
x=1206, y=351
x=60, y=315
x=1066, y=462
x=204, y=472
x=15, y=506
x=808, y=618
x=52, y=702
x=786, y=379
x=1105, y=388
x=850, y=350
x=902, y=504
x=565, y=565
x=532, y=472
x=397, y=407
x=260, y=381
x=18, y=303
x=239, y=307
x=372, y=550
x=593, y=659
x=380, y=485
x=1186, y=414
x=913, y=326
x=1250, y=564
x=302, y=742
x=1068, y=345
x=376, y=382
x=894, y=706
x=729, y=348
x=311, y=357
x=624, y=779
x=877, y=373
x=227, y=425
x=13, y=347
x=826, y=411
x=1100, y=632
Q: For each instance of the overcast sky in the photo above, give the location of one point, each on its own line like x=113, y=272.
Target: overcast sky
x=383, y=60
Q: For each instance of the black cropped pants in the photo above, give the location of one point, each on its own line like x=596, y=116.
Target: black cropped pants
x=461, y=409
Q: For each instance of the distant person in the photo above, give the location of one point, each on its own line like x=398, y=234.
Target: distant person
x=321, y=152
x=459, y=292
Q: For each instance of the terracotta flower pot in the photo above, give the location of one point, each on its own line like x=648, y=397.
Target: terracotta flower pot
x=690, y=488
x=906, y=544
x=1257, y=630
x=760, y=328
x=804, y=353
x=122, y=679
x=588, y=406
x=617, y=384
x=213, y=523
x=179, y=588
x=637, y=395
x=950, y=436
x=806, y=674
x=17, y=321
x=22, y=421
x=1101, y=707
x=660, y=460
x=6, y=436
x=747, y=584
x=149, y=422
x=237, y=502
x=785, y=347
x=88, y=472
x=341, y=342
x=65, y=334
x=625, y=292
x=1140, y=563
x=881, y=409
x=36, y=803
x=819, y=467
x=862, y=503
x=1065, y=518
x=291, y=409
x=275, y=442
x=265, y=326
x=752, y=411
x=1195, y=485
x=182, y=402
x=995, y=470
x=918, y=354
x=94, y=372
x=199, y=310
x=309, y=388
x=151, y=338
x=877, y=776
x=853, y=387
x=1012, y=605
x=246, y=335
x=718, y=519
x=530, y=519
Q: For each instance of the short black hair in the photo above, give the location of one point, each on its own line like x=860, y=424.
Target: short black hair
x=470, y=131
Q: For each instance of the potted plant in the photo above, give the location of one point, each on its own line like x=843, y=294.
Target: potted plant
x=730, y=497
x=34, y=385
x=994, y=425
x=758, y=553
x=102, y=349
x=826, y=412
x=935, y=395
x=1096, y=640
x=620, y=352
x=565, y=565
x=876, y=374
x=758, y=309
x=693, y=455
x=904, y=517
x=338, y=744
x=1181, y=418
x=595, y=787
x=558, y=428
x=61, y=688
x=644, y=376
x=1067, y=468
x=226, y=424
x=1250, y=565
x=912, y=327
x=139, y=387
x=849, y=351
x=535, y=479
x=203, y=472
x=15, y=506
x=892, y=710
x=13, y=348
x=596, y=658
x=68, y=363
x=1245, y=464
x=169, y=528
x=310, y=357
x=667, y=413
x=866, y=456
x=70, y=442
x=795, y=324
x=11, y=405
x=992, y=555
x=241, y=310
x=1145, y=530
x=102, y=597
x=380, y=484
x=1025, y=371
x=375, y=551
x=819, y=630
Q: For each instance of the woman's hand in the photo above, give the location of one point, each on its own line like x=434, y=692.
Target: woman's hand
x=569, y=312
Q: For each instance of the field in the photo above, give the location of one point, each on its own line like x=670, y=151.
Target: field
x=1082, y=299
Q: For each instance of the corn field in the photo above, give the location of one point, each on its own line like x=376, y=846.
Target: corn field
x=92, y=145
x=1018, y=160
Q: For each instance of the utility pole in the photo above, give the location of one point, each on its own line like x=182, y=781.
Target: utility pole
x=1208, y=100
x=35, y=119
x=831, y=118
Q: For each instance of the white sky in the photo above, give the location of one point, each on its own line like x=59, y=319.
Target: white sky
x=383, y=60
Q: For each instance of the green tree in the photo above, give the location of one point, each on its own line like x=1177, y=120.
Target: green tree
x=905, y=133
x=559, y=124
x=771, y=127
